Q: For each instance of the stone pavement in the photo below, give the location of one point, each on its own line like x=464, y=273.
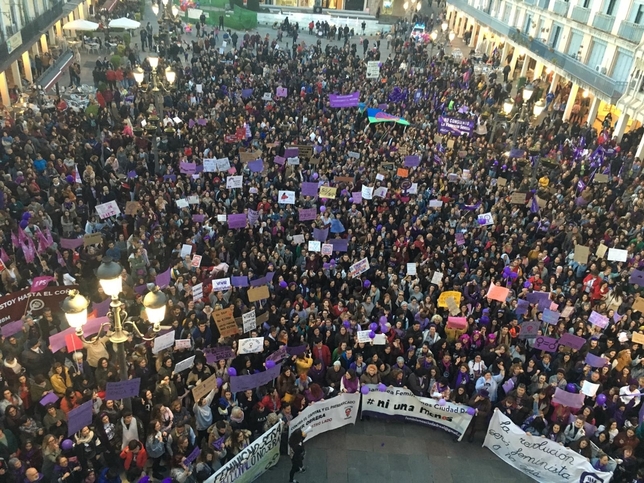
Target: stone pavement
x=378, y=451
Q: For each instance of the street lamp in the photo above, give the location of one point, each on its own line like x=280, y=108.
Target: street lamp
x=433, y=36
x=538, y=107
x=155, y=86
x=508, y=107
x=444, y=26
x=452, y=36
x=109, y=275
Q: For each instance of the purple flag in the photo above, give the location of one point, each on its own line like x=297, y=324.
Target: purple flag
x=241, y=281
x=12, y=328
x=163, y=279
x=79, y=417
x=252, y=381
x=236, y=221
x=320, y=234
x=534, y=297
x=170, y=177
x=295, y=350
x=412, y=161
x=348, y=100
x=309, y=189
x=258, y=282
x=102, y=308
x=256, y=166
x=595, y=361
x=71, y=243
x=40, y=283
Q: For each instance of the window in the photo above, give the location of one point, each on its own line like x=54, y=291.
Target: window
x=610, y=7
x=639, y=13
x=586, y=3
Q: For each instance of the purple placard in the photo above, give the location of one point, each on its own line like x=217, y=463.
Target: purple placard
x=508, y=386
x=71, y=243
x=236, y=221
x=570, y=399
x=296, y=350
x=534, y=297
x=198, y=218
x=187, y=168
x=596, y=361
x=571, y=340
x=280, y=160
x=529, y=329
x=457, y=127
x=122, y=389
x=460, y=239
x=522, y=307
x=79, y=417
x=357, y=197
x=258, y=282
x=544, y=304
x=347, y=100
x=339, y=244
x=320, y=234
x=307, y=214
x=192, y=456
x=551, y=316
x=163, y=279
x=57, y=341
x=412, y=161
x=141, y=289
x=256, y=166
x=246, y=93
x=598, y=319
x=102, y=308
x=544, y=343
x=241, y=281
x=281, y=92
x=49, y=398
x=92, y=326
x=291, y=152
x=309, y=189
x=214, y=354
x=170, y=177
x=131, y=174
x=637, y=278
x=243, y=383
x=12, y=328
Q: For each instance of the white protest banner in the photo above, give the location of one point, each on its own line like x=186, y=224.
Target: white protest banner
x=251, y=345
x=363, y=336
x=221, y=284
x=184, y=364
x=182, y=203
x=193, y=200
x=373, y=69
x=163, y=342
x=614, y=254
x=286, y=197
x=380, y=192
x=367, y=193
x=249, y=321
x=315, y=246
x=222, y=164
x=539, y=458
x=327, y=415
x=402, y=404
x=186, y=250
x=234, y=182
x=197, y=292
x=486, y=219
x=209, y=165
x=327, y=249
x=437, y=277
x=297, y=239
x=182, y=344
x=359, y=267
x=411, y=268
x=108, y=209
x=252, y=461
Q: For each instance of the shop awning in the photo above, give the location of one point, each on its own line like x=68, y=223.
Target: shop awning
x=53, y=73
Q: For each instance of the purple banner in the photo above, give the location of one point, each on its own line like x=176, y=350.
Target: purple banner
x=237, y=221
x=49, y=398
x=187, y=168
x=12, y=328
x=595, y=361
x=162, y=280
x=71, y=243
x=256, y=166
x=339, y=244
x=569, y=399
x=278, y=355
x=291, y=152
x=243, y=383
x=348, y=100
x=296, y=350
x=457, y=127
x=307, y=214
x=79, y=417
x=571, y=340
x=122, y=389
x=320, y=234
x=412, y=161
x=241, y=281
x=309, y=189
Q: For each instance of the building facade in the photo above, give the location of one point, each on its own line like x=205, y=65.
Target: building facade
x=592, y=46
x=31, y=33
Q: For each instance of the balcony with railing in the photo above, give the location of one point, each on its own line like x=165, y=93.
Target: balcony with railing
x=580, y=73
x=33, y=28
x=630, y=31
x=561, y=8
x=603, y=22
x=580, y=14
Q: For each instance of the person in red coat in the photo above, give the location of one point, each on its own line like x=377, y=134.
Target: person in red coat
x=134, y=459
x=322, y=352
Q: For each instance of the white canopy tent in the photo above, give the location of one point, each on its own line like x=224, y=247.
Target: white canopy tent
x=83, y=25
x=124, y=23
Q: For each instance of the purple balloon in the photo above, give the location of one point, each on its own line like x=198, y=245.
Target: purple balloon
x=326, y=266
x=372, y=335
x=513, y=275
x=346, y=323
x=351, y=199
x=283, y=284
x=526, y=284
x=471, y=411
x=366, y=284
x=601, y=399
x=70, y=179
x=232, y=371
x=442, y=402
x=24, y=224
x=571, y=387
x=383, y=319
x=270, y=364
x=67, y=444
x=26, y=215
x=314, y=176
x=364, y=390
x=266, y=326
x=373, y=326
x=382, y=387
x=220, y=382
x=322, y=209
x=332, y=263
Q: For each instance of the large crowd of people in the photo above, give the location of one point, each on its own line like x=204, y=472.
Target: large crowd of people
x=421, y=238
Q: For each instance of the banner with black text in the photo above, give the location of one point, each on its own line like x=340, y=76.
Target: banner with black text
x=327, y=415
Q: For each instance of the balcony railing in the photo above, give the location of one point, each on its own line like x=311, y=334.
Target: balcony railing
x=580, y=14
x=561, y=8
x=578, y=72
x=603, y=22
x=630, y=31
